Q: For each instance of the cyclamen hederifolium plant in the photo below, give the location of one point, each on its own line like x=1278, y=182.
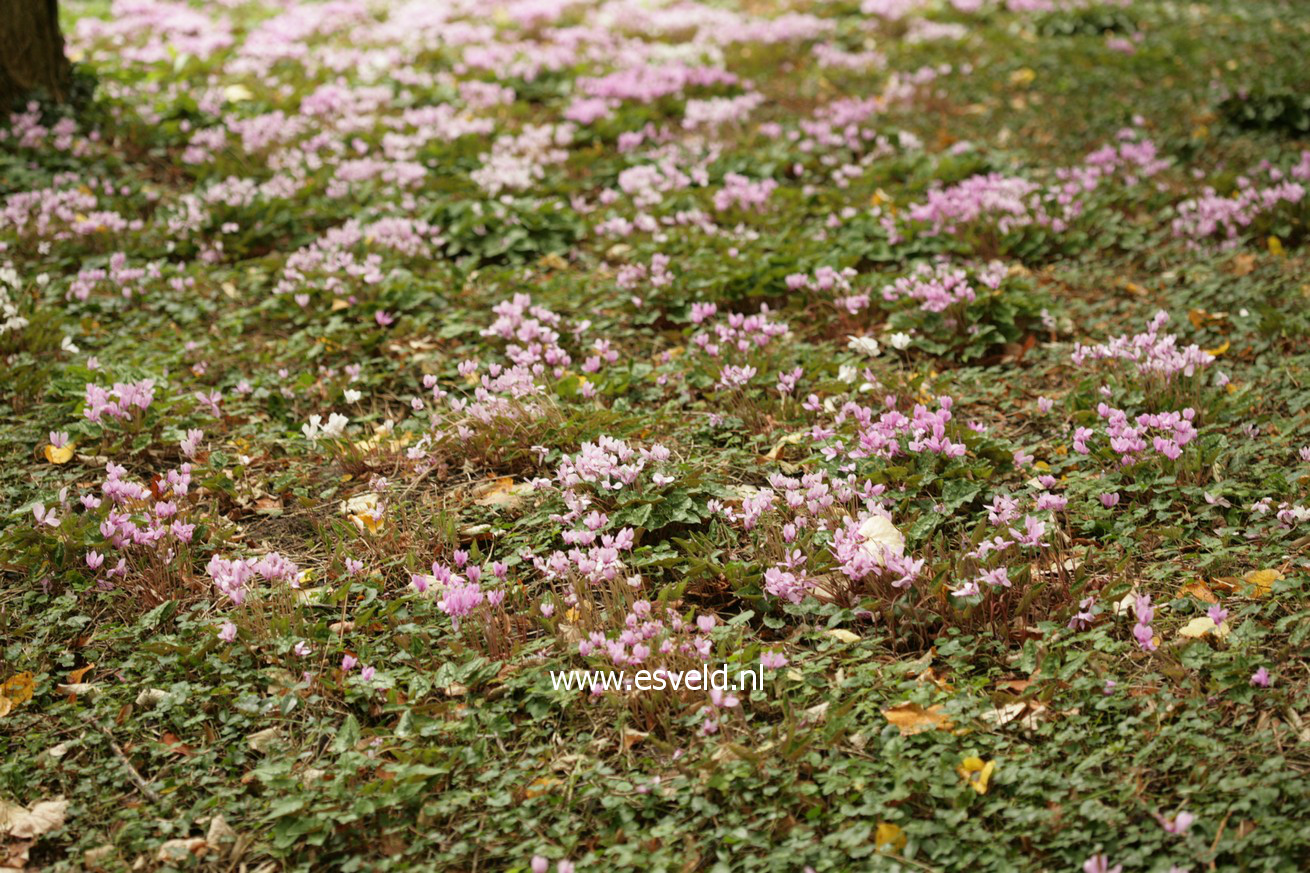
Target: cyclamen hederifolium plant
x=660, y=436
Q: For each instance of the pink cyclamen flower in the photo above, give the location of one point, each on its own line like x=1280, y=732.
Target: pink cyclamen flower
x=1217, y=614
x=348, y=663
x=773, y=660
x=1110, y=499
x=228, y=632
x=383, y=318
x=366, y=673
x=564, y=867
x=1177, y=825
x=1260, y=678
x=302, y=649
x=1101, y=864
x=540, y=864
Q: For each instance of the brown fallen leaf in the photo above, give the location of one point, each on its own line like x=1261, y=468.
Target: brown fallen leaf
x=78, y=674
x=911, y=718
x=631, y=737
x=1242, y=265
x=1200, y=591
x=175, y=744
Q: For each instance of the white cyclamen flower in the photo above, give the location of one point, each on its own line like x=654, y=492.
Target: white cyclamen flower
x=865, y=345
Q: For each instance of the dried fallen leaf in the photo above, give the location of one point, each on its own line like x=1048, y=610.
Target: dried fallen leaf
x=29, y=823
x=977, y=773
x=18, y=688
x=78, y=674
x=503, y=493
x=219, y=832
x=540, y=786
x=1262, y=581
x=842, y=634
x=1242, y=265
x=59, y=454
x=1200, y=591
x=911, y=718
x=176, y=851
x=889, y=836
x=1202, y=626
x=262, y=741
x=631, y=737
x=150, y=696
x=78, y=689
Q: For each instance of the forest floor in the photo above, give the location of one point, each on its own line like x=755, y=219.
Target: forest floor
x=944, y=365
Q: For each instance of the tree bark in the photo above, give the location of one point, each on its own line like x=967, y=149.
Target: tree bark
x=32, y=57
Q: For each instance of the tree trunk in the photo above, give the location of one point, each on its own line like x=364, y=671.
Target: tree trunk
x=31, y=52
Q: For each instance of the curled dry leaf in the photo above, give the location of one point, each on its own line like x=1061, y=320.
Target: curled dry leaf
x=79, y=689
x=150, y=696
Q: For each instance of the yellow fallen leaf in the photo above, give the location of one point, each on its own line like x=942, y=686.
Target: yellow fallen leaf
x=540, y=786
x=1199, y=627
x=76, y=675
x=59, y=454
x=977, y=772
x=842, y=634
x=1218, y=350
x=1262, y=581
x=1023, y=76
x=18, y=688
x=366, y=523
x=1276, y=247
x=911, y=718
x=889, y=836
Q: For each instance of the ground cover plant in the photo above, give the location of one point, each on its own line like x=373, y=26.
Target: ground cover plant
x=945, y=363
